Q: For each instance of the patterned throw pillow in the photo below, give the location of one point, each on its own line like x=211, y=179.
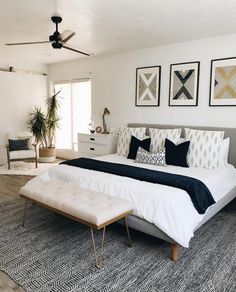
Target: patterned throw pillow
x=204, y=147
x=30, y=140
x=125, y=138
x=18, y=144
x=146, y=157
x=158, y=137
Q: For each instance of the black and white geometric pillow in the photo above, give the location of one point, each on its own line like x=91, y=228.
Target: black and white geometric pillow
x=146, y=157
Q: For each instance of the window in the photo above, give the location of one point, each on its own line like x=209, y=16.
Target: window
x=74, y=112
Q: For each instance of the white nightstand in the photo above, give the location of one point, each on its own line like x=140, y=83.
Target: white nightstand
x=90, y=145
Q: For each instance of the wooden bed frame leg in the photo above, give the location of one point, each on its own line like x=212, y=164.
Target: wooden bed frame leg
x=174, y=252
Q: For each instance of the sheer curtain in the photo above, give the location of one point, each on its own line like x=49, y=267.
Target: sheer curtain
x=75, y=114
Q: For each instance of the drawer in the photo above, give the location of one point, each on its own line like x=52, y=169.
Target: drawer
x=94, y=149
x=86, y=155
x=97, y=139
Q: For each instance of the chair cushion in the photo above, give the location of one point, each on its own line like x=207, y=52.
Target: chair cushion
x=22, y=154
x=88, y=205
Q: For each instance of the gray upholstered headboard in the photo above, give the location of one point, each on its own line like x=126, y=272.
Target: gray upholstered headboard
x=229, y=132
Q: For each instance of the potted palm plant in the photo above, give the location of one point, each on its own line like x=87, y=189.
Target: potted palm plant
x=43, y=127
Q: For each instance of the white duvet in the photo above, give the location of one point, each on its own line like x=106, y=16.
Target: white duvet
x=170, y=209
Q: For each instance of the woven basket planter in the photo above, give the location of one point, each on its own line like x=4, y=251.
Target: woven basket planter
x=47, y=154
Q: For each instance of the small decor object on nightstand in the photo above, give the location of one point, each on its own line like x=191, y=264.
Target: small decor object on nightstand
x=92, y=127
x=106, y=112
x=98, y=129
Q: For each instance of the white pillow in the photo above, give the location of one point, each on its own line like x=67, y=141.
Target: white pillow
x=125, y=134
x=181, y=140
x=158, y=137
x=204, y=147
x=224, y=152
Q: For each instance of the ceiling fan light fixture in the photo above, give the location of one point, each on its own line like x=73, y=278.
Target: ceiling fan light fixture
x=54, y=37
x=56, y=45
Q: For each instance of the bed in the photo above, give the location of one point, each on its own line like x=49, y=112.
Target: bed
x=164, y=212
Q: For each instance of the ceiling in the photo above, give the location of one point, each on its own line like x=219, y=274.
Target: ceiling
x=108, y=26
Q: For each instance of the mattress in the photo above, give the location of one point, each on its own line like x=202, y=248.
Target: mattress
x=168, y=208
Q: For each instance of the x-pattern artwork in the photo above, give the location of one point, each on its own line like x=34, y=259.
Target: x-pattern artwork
x=184, y=84
x=148, y=86
x=184, y=81
x=223, y=82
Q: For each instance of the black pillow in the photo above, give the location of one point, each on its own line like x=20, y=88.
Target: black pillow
x=135, y=143
x=18, y=144
x=176, y=154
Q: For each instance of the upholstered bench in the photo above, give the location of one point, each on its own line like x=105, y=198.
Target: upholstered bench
x=94, y=209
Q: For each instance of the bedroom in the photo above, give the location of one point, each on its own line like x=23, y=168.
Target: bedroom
x=121, y=36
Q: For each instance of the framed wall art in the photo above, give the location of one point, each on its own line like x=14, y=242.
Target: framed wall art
x=223, y=82
x=148, y=82
x=184, y=83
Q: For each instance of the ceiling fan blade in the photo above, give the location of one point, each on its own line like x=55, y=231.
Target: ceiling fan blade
x=66, y=35
x=27, y=43
x=74, y=50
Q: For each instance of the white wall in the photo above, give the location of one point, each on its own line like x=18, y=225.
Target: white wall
x=19, y=93
x=113, y=83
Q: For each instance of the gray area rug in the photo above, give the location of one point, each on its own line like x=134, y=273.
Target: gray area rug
x=52, y=253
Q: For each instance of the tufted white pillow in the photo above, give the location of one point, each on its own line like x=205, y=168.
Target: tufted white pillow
x=158, y=137
x=204, y=147
x=125, y=134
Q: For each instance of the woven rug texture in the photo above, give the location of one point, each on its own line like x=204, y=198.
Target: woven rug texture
x=53, y=253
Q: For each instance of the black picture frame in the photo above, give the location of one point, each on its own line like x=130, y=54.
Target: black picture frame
x=158, y=87
x=195, y=66
x=221, y=61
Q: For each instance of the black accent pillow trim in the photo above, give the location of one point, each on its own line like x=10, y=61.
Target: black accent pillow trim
x=20, y=144
x=135, y=143
x=176, y=154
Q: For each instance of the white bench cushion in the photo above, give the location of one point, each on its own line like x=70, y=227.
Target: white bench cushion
x=88, y=205
x=21, y=154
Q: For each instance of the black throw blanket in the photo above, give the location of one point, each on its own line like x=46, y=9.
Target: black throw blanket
x=197, y=190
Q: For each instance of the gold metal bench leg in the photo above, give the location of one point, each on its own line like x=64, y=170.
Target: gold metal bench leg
x=98, y=259
x=127, y=229
x=25, y=209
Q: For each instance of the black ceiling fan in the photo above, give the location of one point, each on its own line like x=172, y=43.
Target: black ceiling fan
x=57, y=39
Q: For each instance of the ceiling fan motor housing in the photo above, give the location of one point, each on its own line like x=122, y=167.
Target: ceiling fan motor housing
x=56, y=45
x=54, y=37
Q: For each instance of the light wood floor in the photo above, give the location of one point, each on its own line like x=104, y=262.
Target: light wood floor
x=10, y=185
x=9, y=190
